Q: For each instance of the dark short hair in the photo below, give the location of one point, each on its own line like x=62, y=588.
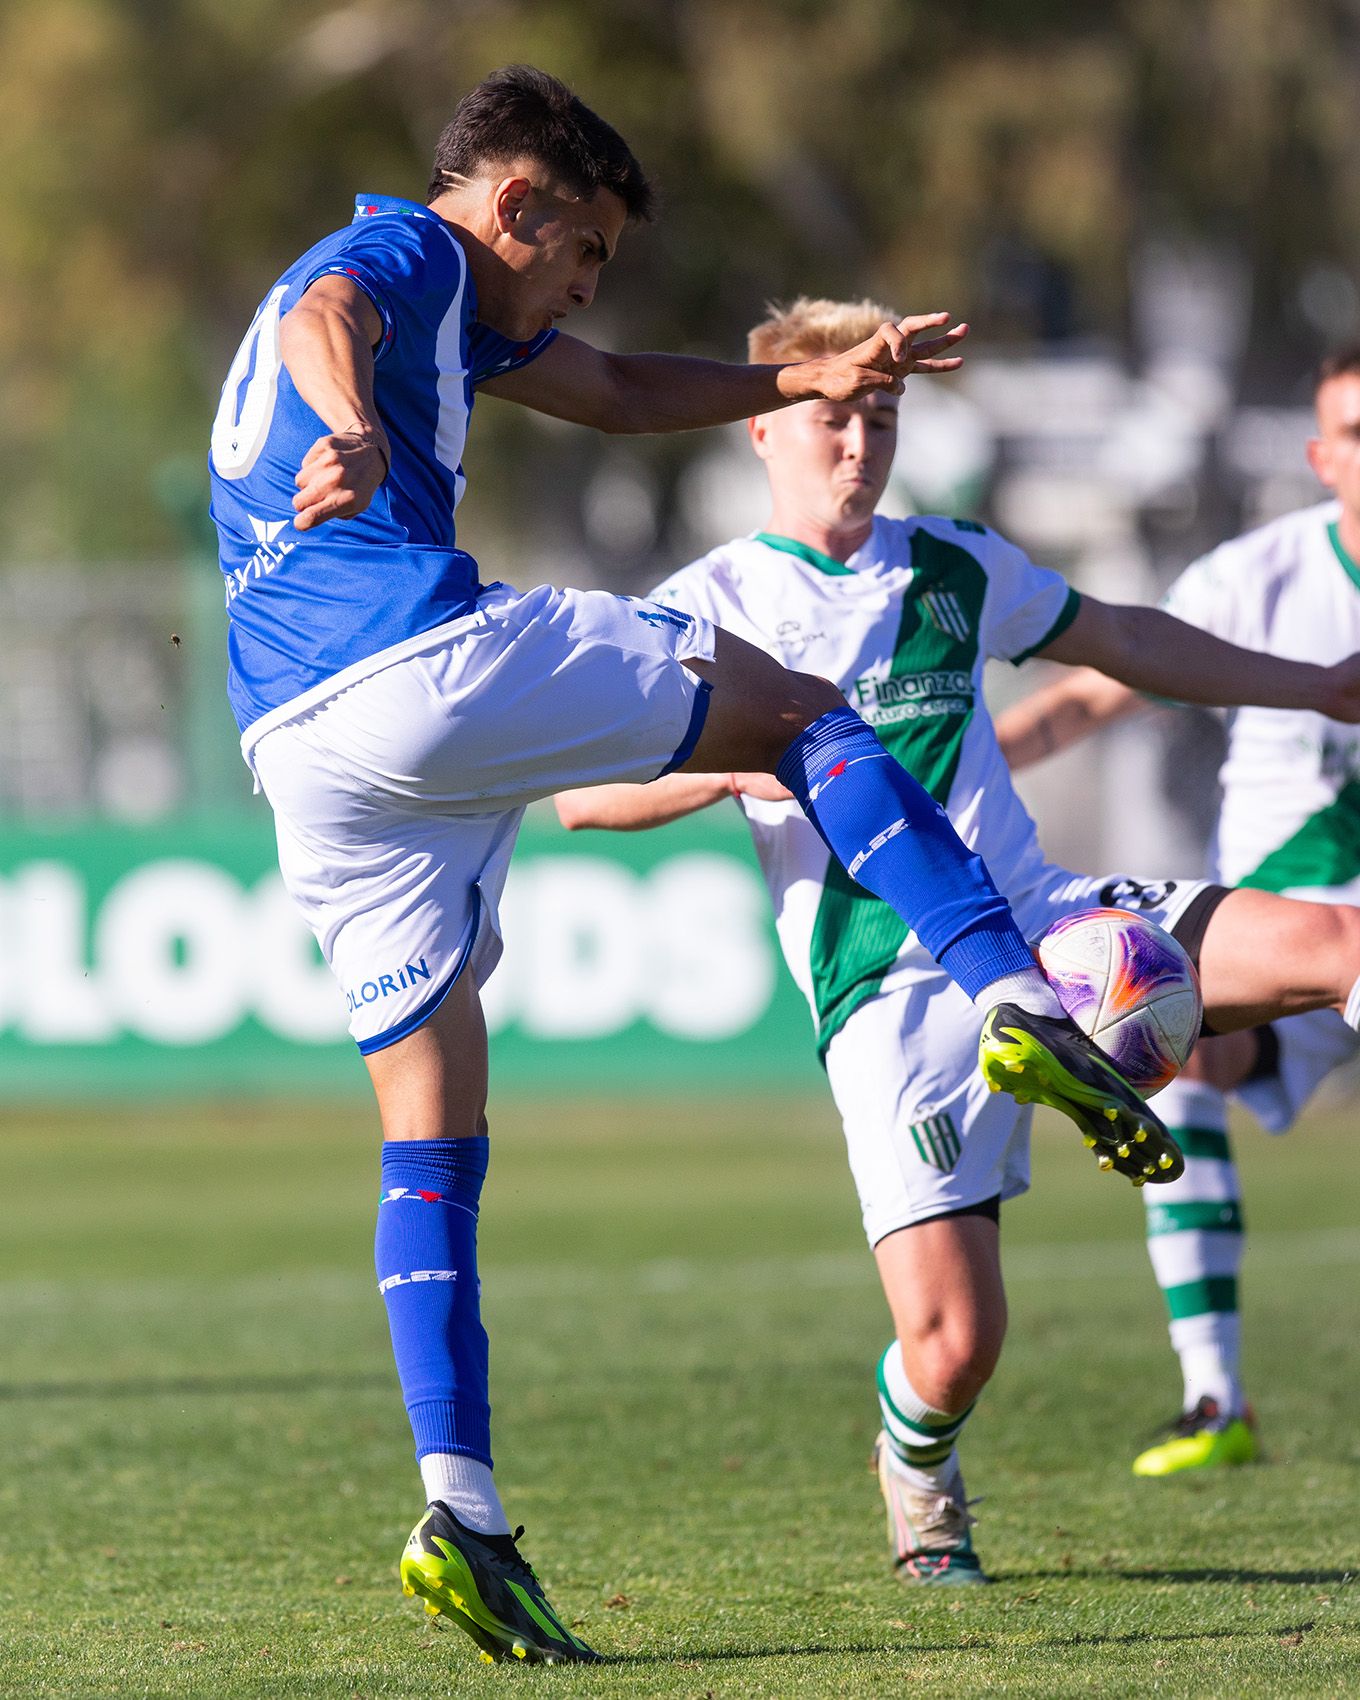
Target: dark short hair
x=1340, y=363
x=520, y=112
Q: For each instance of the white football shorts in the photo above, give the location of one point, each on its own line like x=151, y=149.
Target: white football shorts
x=925, y=1136
x=397, y=800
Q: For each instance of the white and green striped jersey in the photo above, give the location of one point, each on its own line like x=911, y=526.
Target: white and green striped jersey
x=905, y=628
x=1290, y=818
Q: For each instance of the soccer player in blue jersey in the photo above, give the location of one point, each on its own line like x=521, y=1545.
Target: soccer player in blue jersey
x=399, y=713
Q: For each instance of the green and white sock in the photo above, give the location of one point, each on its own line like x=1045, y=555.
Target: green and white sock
x=920, y=1438
x=1195, y=1241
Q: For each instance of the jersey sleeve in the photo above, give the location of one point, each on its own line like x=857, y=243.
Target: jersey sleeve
x=407, y=267
x=685, y=590
x=1027, y=606
x=491, y=355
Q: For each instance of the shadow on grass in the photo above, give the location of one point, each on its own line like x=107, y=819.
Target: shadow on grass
x=973, y=1644
x=1332, y=1578
x=214, y=1386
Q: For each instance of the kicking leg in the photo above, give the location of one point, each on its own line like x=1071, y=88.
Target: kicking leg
x=942, y=1279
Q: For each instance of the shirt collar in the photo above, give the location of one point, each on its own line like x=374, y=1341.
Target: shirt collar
x=371, y=206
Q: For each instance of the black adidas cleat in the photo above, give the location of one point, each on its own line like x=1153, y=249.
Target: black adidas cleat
x=482, y=1584
x=1042, y=1059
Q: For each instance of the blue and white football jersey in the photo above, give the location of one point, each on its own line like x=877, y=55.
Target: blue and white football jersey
x=306, y=606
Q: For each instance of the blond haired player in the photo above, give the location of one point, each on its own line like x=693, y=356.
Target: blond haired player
x=1289, y=821
x=902, y=615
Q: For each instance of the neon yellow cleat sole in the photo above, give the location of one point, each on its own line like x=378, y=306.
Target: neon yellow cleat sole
x=1039, y=1060
x=483, y=1586
x=1205, y=1449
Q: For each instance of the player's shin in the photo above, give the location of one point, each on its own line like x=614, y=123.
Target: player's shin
x=425, y=1252
x=894, y=839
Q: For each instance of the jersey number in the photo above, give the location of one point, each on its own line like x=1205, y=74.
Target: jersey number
x=237, y=438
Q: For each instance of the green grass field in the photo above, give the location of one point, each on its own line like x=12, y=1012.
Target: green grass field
x=207, y=1474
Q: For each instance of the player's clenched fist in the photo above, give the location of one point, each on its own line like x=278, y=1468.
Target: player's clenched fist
x=339, y=476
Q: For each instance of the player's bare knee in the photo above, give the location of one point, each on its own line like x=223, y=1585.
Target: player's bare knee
x=822, y=695
x=802, y=699
x=949, y=1368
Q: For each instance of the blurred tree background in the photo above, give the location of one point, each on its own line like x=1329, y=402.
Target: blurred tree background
x=162, y=160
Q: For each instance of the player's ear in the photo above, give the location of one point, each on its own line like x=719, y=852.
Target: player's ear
x=509, y=199
x=1319, y=458
x=758, y=431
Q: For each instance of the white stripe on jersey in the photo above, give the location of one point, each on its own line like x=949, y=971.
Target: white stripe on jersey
x=450, y=436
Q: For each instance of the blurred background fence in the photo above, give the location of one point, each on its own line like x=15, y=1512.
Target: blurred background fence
x=1146, y=210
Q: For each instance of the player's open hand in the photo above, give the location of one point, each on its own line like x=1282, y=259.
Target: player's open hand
x=339, y=477
x=884, y=362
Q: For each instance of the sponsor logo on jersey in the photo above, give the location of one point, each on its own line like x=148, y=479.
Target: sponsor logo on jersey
x=789, y=630
x=888, y=699
x=390, y=1281
x=937, y=1141
x=1132, y=894
x=270, y=555
x=387, y=985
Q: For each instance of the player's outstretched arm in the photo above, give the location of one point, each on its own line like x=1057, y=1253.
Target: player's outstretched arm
x=1059, y=715
x=327, y=343
x=634, y=808
x=674, y=392
x=1156, y=653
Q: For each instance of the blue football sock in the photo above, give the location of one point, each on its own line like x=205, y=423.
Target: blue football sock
x=894, y=839
x=425, y=1252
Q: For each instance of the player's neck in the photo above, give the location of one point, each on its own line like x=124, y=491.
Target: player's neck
x=837, y=540
x=466, y=217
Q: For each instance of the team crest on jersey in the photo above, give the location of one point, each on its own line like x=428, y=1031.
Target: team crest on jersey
x=946, y=613
x=937, y=1141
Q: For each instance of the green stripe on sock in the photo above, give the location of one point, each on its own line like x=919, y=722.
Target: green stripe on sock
x=1202, y=1142
x=1206, y=1216
x=948, y=1426
x=1198, y=1298
x=922, y=1457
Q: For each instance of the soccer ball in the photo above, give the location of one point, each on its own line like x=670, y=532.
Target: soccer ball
x=1131, y=987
